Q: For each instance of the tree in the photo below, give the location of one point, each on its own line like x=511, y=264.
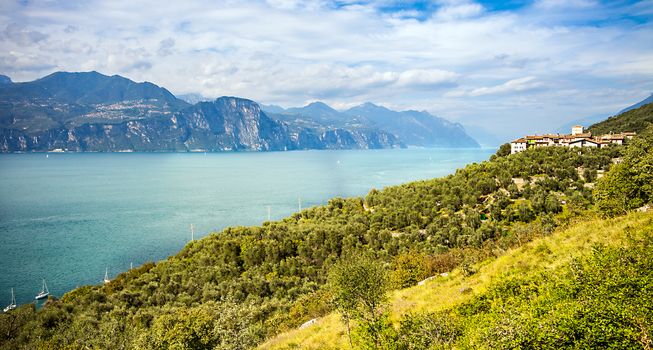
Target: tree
x=503, y=150
x=409, y=268
x=359, y=287
x=628, y=185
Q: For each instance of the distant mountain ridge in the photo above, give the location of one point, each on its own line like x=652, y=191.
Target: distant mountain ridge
x=88, y=88
x=193, y=98
x=90, y=111
x=412, y=128
x=638, y=104
x=415, y=127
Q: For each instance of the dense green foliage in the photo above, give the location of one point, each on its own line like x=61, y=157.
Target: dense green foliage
x=629, y=184
x=503, y=150
x=238, y=287
x=601, y=301
x=634, y=120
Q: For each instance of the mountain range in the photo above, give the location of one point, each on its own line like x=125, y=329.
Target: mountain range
x=413, y=128
x=90, y=111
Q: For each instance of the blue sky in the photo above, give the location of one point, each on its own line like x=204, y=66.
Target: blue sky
x=511, y=67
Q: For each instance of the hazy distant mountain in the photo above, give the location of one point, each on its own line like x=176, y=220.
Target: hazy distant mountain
x=88, y=88
x=638, y=104
x=320, y=112
x=193, y=98
x=484, y=137
x=414, y=127
x=95, y=112
x=410, y=127
x=272, y=108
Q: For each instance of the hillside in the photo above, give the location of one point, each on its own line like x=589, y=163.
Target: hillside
x=239, y=287
x=635, y=120
x=518, y=268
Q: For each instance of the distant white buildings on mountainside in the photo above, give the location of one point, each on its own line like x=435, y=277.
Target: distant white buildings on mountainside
x=578, y=138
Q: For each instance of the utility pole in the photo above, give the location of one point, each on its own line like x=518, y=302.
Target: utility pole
x=192, y=232
x=299, y=203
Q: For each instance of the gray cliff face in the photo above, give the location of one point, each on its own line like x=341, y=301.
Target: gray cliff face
x=231, y=123
x=91, y=112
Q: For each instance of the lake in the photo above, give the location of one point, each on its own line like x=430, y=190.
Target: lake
x=66, y=217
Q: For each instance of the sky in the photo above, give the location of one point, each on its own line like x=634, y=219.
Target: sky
x=509, y=67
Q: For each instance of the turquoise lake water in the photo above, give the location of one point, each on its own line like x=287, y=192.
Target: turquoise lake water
x=68, y=217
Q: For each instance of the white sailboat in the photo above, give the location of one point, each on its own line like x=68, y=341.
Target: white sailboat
x=106, y=276
x=44, y=292
x=13, y=302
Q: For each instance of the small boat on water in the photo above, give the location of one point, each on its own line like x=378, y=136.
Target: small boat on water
x=44, y=292
x=106, y=276
x=13, y=302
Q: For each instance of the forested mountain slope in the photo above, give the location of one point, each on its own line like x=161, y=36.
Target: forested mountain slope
x=523, y=297
x=635, y=120
x=586, y=285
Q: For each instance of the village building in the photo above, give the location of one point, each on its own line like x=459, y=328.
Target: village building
x=579, y=137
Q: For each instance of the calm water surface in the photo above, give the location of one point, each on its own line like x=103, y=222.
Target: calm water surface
x=67, y=217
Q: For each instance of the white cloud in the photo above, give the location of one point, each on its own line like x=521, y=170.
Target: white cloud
x=165, y=47
x=426, y=77
x=549, y=4
x=462, y=61
x=458, y=10
x=22, y=36
x=510, y=86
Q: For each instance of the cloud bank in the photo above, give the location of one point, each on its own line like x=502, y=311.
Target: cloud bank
x=524, y=67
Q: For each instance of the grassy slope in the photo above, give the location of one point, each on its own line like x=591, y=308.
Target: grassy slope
x=444, y=292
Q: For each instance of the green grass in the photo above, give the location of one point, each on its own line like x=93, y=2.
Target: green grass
x=443, y=293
